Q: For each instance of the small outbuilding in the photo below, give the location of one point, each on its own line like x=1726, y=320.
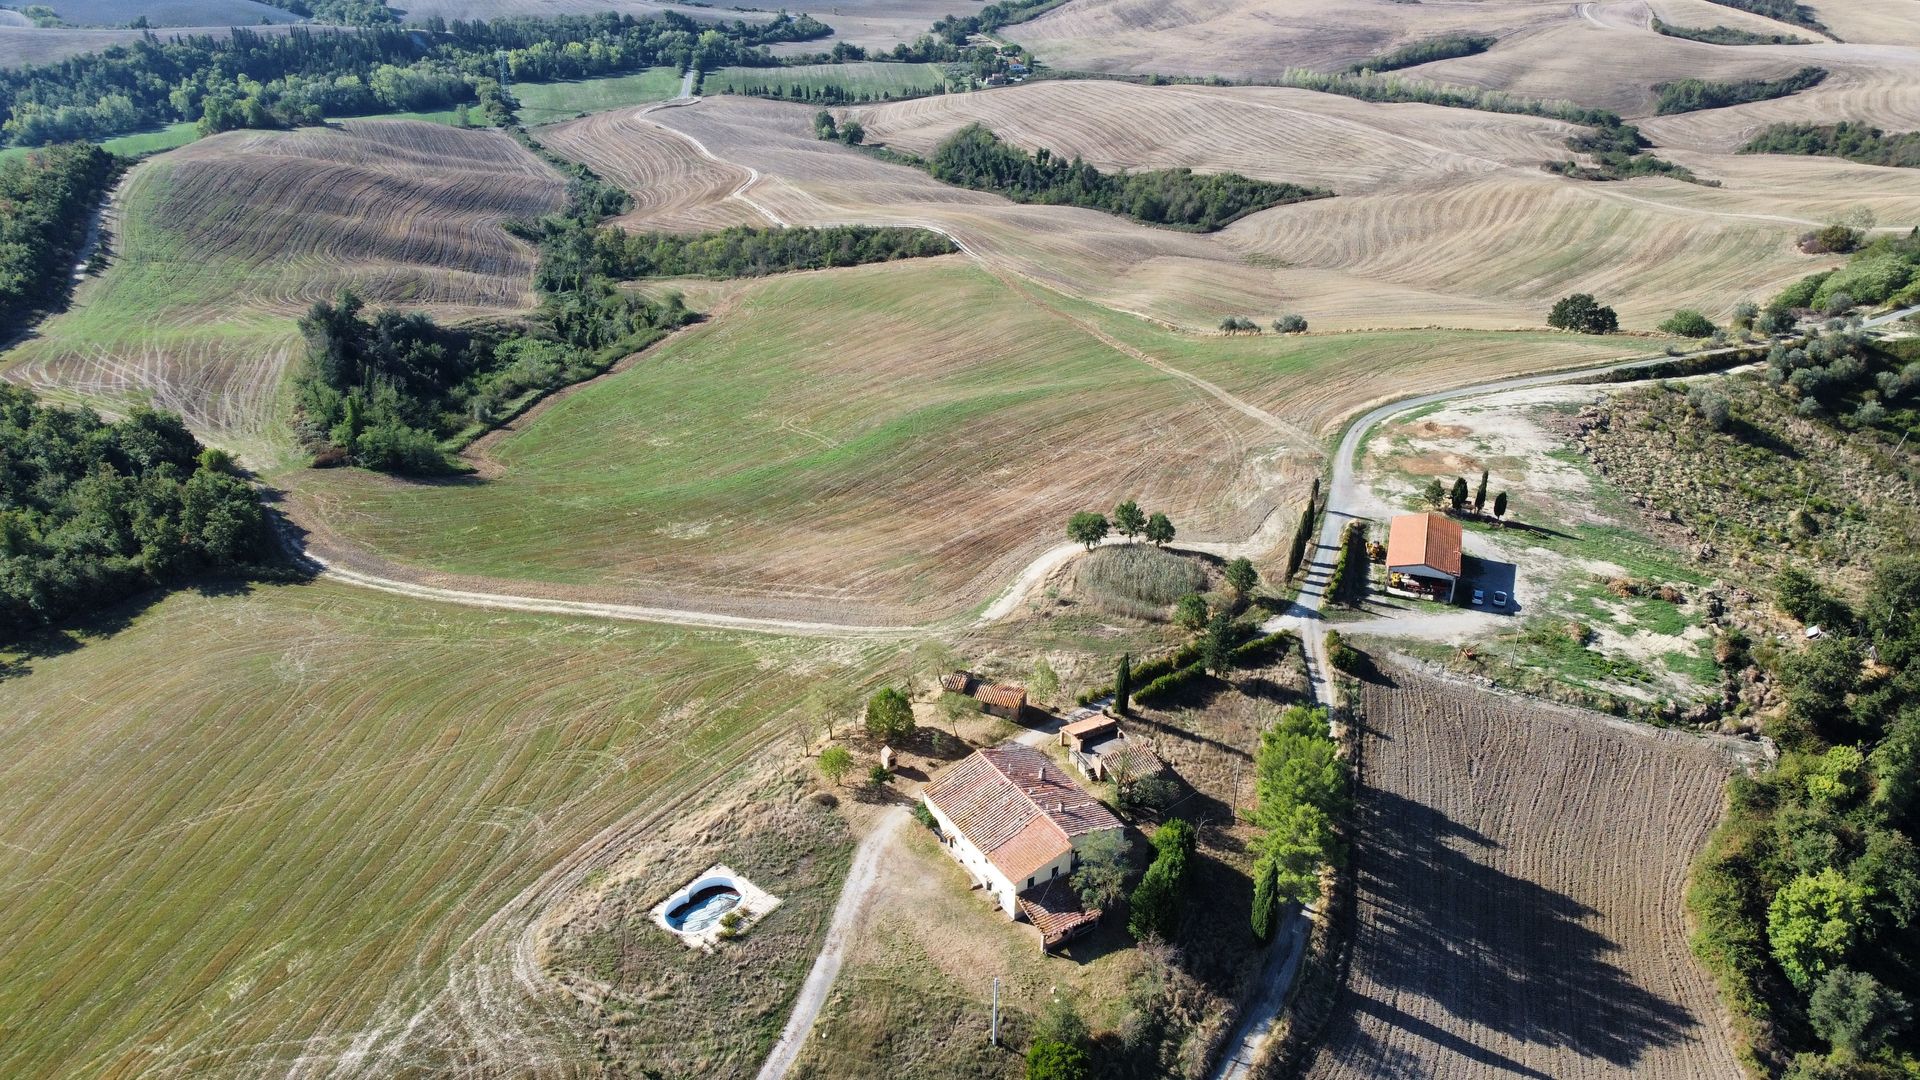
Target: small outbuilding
x=1423, y=556
x=998, y=699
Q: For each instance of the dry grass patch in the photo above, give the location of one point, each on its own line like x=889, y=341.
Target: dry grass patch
x=652, y=1002
x=1138, y=580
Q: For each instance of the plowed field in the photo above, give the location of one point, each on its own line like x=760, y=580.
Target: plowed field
x=1520, y=870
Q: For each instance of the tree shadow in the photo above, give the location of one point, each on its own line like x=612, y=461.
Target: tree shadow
x=1751, y=434
x=1493, y=951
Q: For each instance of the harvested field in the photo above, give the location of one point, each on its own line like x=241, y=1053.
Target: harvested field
x=1246, y=39
x=1438, y=220
x=161, y=13
x=1520, y=870
x=674, y=188
x=316, y=841
x=21, y=46
x=217, y=247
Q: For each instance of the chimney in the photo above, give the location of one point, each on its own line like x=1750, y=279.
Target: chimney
x=1043, y=772
x=1059, y=808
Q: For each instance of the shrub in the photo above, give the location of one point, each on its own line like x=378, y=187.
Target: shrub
x=1687, y=323
x=1159, y=899
x=1581, y=313
x=1834, y=239
x=1290, y=324
x=889, y=716
x=1345, y=657
x=1049, y=1060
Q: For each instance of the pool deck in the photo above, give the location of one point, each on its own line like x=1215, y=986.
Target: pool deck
x=754, y=905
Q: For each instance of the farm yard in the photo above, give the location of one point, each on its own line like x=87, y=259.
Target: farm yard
x=1483, y=945
x=402, y=790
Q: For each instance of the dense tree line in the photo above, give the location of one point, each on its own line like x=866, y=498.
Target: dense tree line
x=1302, y=788
x=1855, y=142
x=1394, y=88
x=974, y=157
x=1808, y=899
x=93, y=512
x=1689, y=95
x=344, y=12
x=47, y=201
x=1724, y=35
x=306, y=74
x=1786, y=11
x=571, y=255
x=1425, y=52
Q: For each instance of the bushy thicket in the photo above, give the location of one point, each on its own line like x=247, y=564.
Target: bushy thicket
x=1724, y=35
x=46, y=201
x=1689, y=95
x=1425, y=52
x=974, y=157
x=299, y=77
x=1885, y=271
x=1807, y=901
x=1786, y=11
x=93, y=512
x=1846, y=377
x=384, y=389
x=1619, y=151
x=1855, y=142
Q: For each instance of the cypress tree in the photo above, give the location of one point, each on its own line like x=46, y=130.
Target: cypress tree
x=1123, y=685
x=1480, y=493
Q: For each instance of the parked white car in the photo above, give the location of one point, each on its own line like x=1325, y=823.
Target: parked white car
x=1499, y=599
x=1479, y=598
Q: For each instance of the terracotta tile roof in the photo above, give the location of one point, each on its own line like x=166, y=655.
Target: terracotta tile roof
x=1006, y=697
x=959, y=682
x=1081, y=728
x=1055, y=910
x=1018, y=807
x=1429, y=540
x=1031, y=848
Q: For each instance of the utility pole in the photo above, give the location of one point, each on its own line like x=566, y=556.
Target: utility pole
x=995, y=1036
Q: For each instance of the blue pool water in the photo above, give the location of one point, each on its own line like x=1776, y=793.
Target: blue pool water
x=704, y=908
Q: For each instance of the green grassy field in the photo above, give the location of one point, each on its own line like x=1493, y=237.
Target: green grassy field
x=874, y=79
x=543, y=103
x=248, y=828
x=895, y=432
x=160, y=308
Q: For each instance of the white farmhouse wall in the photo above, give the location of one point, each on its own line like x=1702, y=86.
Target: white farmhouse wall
x=975, y=861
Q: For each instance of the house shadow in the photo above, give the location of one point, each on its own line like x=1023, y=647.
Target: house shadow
x=1492, y=951
x=1490, y=576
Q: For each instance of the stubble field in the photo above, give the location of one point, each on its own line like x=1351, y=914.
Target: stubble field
x=1442, y=216
x=1520, y=870
x=216, y=248
x=307, y=830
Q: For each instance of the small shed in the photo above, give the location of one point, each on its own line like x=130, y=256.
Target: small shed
x=1087, y=729
x=1423, y=556
x=999, y=699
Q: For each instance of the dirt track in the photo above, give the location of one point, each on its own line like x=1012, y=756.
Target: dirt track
x=1520, y=869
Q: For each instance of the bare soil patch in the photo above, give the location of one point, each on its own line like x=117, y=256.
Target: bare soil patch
x=1520, y=869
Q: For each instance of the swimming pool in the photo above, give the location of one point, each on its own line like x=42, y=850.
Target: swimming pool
x=703, y=908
